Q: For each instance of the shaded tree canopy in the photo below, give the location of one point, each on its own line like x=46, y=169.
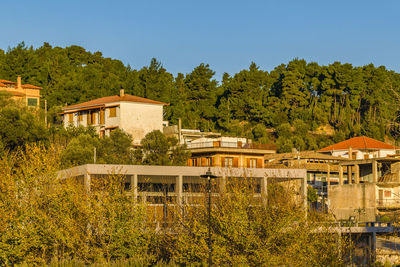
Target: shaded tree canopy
x=349, y=100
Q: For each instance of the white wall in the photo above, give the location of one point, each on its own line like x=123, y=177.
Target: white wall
x=138, y=119
x=360, y=154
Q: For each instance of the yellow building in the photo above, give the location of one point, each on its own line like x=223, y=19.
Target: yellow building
x=28, y=94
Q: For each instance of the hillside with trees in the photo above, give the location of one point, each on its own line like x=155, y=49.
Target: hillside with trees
x=299, y=104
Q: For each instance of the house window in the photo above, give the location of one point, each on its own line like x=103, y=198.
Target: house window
x=32, y=102
x=194, y=162
x=94, y=118
x=228, y=162
x=102, y=116
x=80, y=116
x=113, y=112
x=209, y=161
x=253, y=163
x=388, y=194
x=70, y=117
x=89, y=118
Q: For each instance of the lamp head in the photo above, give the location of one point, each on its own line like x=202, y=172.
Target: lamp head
x=208, y=174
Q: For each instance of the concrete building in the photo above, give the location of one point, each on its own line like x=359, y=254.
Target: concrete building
x=153, y=184
x=370, y=188
x=226, y=151
x=361, y=147
x=320, y=167
x=186, y=136
x=27, y=94
x=132, y=114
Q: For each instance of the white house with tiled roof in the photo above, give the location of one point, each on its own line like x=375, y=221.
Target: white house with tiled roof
x=135, y=115
x=361, y=147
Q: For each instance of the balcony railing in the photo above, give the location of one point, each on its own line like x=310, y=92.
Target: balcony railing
x=210, y=144
x=388, y=203
x=214, y=144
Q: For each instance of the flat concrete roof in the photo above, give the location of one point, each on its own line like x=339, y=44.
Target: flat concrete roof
x=231, y=150
x=180, y=170
x=369, y=161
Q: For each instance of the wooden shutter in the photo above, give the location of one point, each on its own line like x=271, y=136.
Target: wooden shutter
x=102, y=116
x=189, y=162
x=259, y=163
x=89, y=119
x=203, y=162
x=235, y=162
x=248, y=163
x=71, y=117
x=94, y=118
x=222, y=161
x=113, y=112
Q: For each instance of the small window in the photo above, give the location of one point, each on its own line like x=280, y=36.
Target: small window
x=102, y=116
x=32, y=102
x=113, y=112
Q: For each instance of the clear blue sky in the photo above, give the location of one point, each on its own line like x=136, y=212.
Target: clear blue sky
x=228, y=35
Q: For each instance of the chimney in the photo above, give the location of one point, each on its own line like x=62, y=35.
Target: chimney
x=121, y=92
x=350, y=152
x=19, y=85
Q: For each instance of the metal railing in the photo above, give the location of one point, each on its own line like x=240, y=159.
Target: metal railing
x=388, y=202
x=213, y=144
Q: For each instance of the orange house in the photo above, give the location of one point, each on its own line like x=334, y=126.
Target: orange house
x=228, y=152
x=27, y=94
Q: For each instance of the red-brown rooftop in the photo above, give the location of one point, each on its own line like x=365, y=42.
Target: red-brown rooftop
x=361, y=142
x=112, y=99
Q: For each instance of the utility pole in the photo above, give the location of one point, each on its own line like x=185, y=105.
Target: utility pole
x=45, y=112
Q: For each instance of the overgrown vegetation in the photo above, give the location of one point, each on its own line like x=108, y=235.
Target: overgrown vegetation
x=47, y=220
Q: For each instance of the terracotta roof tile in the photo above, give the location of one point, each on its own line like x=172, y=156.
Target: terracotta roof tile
x=114, y=98
x=5, y=81
x=361, y=142
x=2, y=84
x=30, y=86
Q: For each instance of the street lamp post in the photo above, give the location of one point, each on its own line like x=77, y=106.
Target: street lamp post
x=209, y=176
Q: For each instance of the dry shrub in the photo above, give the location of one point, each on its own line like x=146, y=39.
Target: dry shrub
x=46, y=219
x=249, y=231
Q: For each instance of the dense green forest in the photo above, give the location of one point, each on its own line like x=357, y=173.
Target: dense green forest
x=299, y=104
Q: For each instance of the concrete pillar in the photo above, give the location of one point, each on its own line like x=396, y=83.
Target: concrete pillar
x=340, y=174
x=222, y=183
x=373, y=246
x=374, y=171
x=179, y=189
x=264, y=189
x=87, y=182
x=328, y=175
x=357, y=174
x=304, y=192
x=349, y=174
x=134, y=186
